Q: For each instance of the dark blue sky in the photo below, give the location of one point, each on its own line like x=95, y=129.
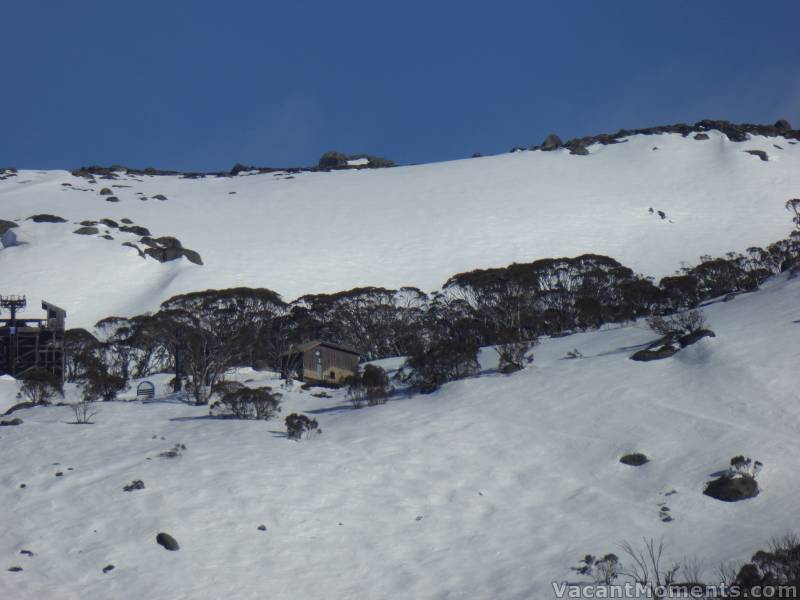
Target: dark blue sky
x=203, y=84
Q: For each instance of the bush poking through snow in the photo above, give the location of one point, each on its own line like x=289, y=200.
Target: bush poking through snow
x=434, y=364
x=167, y=542
x=679, y=324
x=101, y=384
x=84, y=412
x=40, y=386
x=242, y=402
x=300, y=426
x=371, y=386
x=603, y=570
x=514, y=356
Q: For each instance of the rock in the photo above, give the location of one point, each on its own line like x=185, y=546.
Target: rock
x=108, y=568
x=8, y=239
x=112, y=199
x=192, y=256
x=701, y=136
x=20, y=406
x=107, y=237
x=168, y=242
x=161, y=197
x=732, y=489
x=6, y=225
x=551, y=142
x=649, y=355
x=88, y=223
x=26, y=552
x=782, y=125
x=11, y=422
x=87, y=231
x=106, y=192
x=23, y=485
x=15, y=569
x=694, y=337
x=332, y=160
x=135, y=247
x=262, y=527
x=136, y=484
x=579, y=150
x=167, y=541
x=45, y=218
x=476, y=155
x=59, y=474
x=636, y=459
x=759, y=153
x=109, y=223
x=127, y=221
x=135, y=229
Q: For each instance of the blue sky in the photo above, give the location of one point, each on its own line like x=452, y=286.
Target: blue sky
x=204, y=84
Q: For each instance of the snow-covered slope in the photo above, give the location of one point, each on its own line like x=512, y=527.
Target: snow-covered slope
x=325, y=232
x=490, y=488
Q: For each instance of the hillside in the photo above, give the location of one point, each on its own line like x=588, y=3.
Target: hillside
x=306, y=232
x=491, y=487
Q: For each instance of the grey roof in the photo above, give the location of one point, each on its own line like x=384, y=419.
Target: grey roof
x=306, y=346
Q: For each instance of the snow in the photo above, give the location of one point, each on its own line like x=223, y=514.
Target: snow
x=416, y=225
x=491, y=487
x=357, y=162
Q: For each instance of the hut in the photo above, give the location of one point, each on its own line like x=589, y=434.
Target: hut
x=319, y=361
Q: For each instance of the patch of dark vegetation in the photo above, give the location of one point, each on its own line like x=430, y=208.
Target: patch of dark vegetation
x=161, y=197
x=11, y=422
x=112, y=199
x=336, y=160
x=237, y=401
x=636, y=459
x=45, y=218
x=109, y=223
x=301, y=426
x=106, y=192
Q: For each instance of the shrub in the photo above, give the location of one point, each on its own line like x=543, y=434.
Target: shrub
x=678, y=324
x=780, y=565
x=738, y=483
x=376, y=383
x=356, y=392
x=441, y=361
x=241, y=402
x=514, y=356
x=101, y=384
x=299, y=426
x=40, y=386
x=84, y=412
x=636, y=459
x=601, y=570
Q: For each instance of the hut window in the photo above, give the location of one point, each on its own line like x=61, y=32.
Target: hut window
x=333, y=375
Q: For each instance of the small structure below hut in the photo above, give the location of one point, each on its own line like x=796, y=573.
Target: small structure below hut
x=320, y=362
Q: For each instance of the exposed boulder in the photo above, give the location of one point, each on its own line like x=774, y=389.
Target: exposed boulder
x=551, y=142
x=636, y=459
x=11, y=422
x=579, y=150
x=45, y=218
x=782, y=125
x=695, y=336
x=701, y=136
x=167, y=541
x=136, y=484
x=8, y=239
x=112, y=199
x=333, y=160
x=6, y=225
x=136, y=229
x=106, y=192
x=648, y=355
x=161, y=197
x=135, y=247
x=127, y=221
x=730, y=488
x=87, y=231
x=759, y=153
x=109, y=223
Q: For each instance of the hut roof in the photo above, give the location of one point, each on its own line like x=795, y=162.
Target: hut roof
x=306, y=346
